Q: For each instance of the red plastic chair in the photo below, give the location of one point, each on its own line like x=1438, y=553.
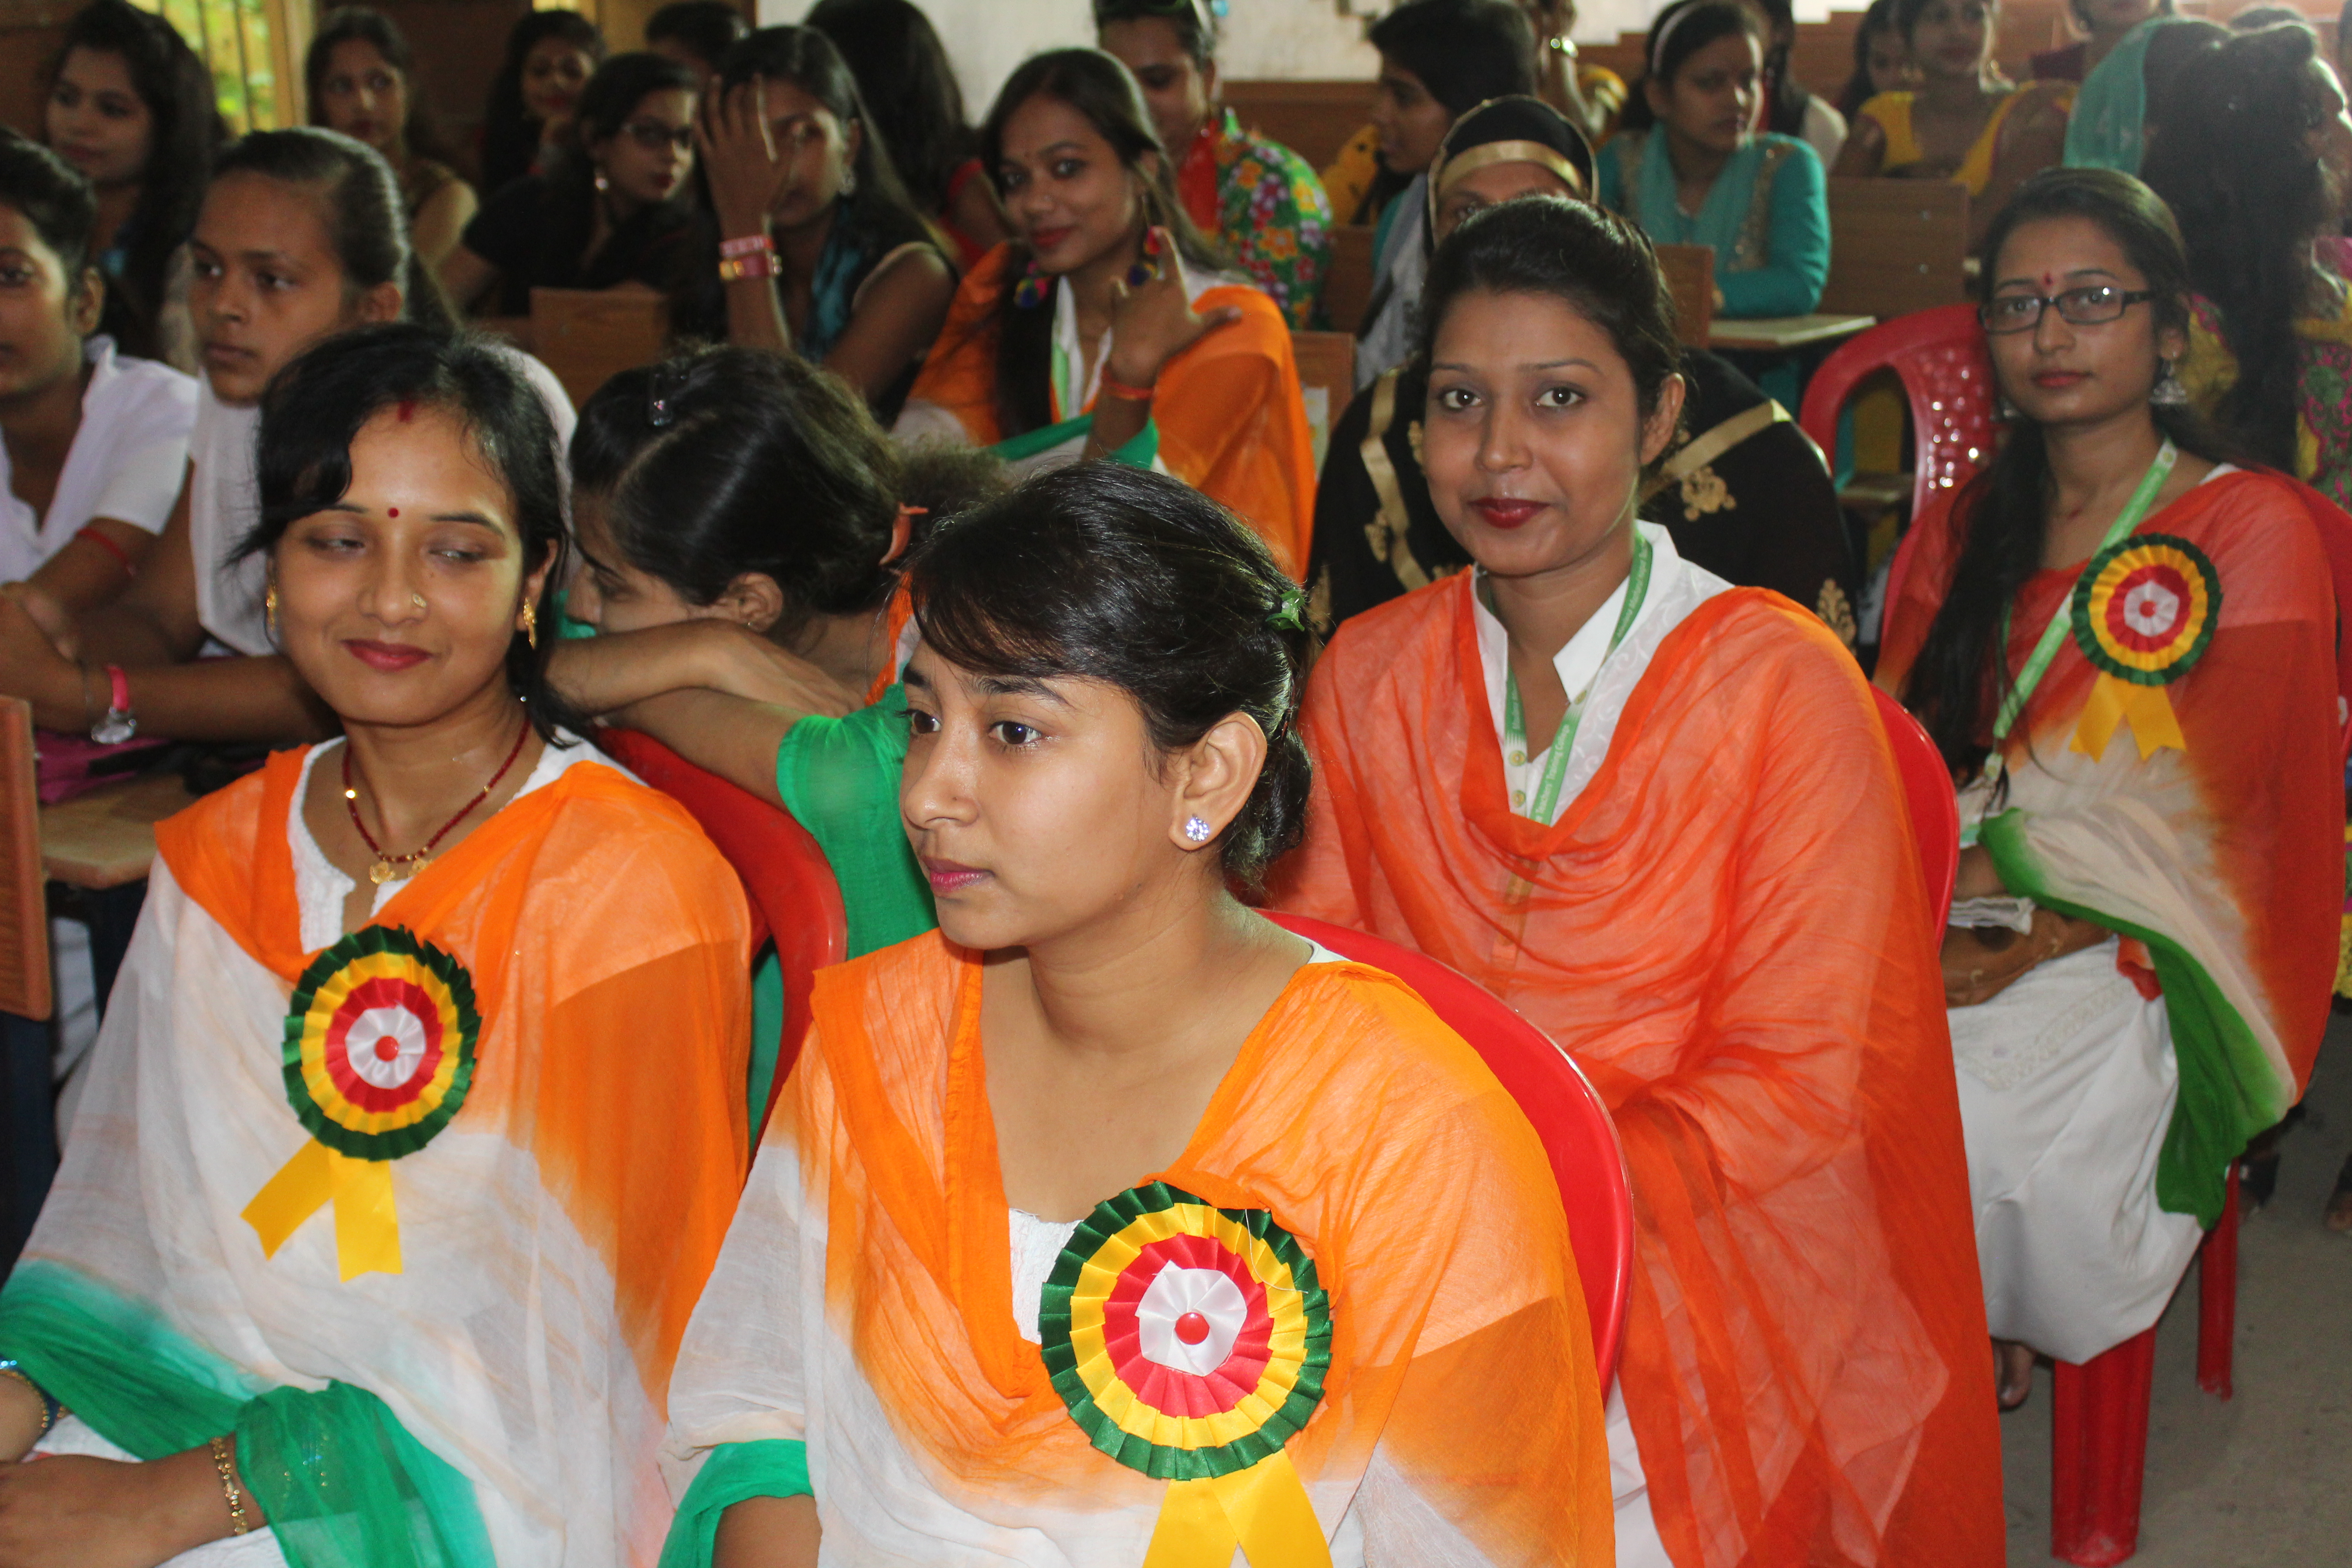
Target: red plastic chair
x=1934, y=810
x=794, y=896
x=2099, y=1418
x=1567, y=1114
x=1939, y=356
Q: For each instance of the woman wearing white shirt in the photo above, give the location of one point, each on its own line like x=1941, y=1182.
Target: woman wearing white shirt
x=301, y=236
x=93, y=445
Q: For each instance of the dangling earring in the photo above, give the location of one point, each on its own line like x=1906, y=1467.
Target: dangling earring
x=2167, y=393
x=1030, y=292
x=2004, y=411
x=602, y=185
x=849, y=182
x=530, y=624
x=269, y=611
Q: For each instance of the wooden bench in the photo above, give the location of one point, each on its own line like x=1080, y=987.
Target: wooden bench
x=1896, y=247
x=587, y=336
x=1347, y=287
x=1689, y=272
x=1327, y=379
x=24, y=908
x=1313, y=118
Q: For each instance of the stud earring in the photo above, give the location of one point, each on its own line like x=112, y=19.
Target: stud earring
x=1196, y=829
x=269, y=611
x=530, y=624
x=2004, y=410
x=602, y=183
x=2167, y=393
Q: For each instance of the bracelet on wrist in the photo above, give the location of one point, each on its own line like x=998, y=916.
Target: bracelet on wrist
x=121, y=556
x=759, y=264
x=50, y=1408
x=1111, y=388
x=748, y=245
x=234, y=1495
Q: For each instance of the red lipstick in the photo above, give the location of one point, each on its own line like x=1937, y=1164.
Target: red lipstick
x=1506, y=512
x=388, y=657
x=2054, y=380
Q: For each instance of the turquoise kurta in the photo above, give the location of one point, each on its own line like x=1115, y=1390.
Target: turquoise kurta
x=1767, y=217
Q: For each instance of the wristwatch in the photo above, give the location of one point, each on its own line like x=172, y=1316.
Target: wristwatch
x=119, y=724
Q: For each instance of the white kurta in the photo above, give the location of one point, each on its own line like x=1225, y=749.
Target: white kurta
x=2067, y=1082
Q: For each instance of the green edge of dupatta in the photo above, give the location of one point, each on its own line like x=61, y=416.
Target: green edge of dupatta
x=735, y=1472
x=1141, y=450
x=342, y=1483
x=2228, y=1090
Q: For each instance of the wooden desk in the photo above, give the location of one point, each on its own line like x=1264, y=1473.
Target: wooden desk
x=1778, y=334
x=107, y=838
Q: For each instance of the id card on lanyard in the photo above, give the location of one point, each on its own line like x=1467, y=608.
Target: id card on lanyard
x=1515, y=723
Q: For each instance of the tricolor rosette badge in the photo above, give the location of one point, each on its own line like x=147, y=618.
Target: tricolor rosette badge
x=2143, y=611
x=379, y=1054
x=1189, y=1342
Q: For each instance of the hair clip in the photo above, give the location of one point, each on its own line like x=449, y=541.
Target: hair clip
x=1290, y=614
x=661, y=390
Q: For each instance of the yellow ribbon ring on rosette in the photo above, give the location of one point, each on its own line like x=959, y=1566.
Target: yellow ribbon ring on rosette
x=2145, y=610
x=1189, y=1342
x=378, y=1053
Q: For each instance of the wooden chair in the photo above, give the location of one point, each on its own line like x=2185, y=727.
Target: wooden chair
x=1901, y=246
x=1327, y=379
x=587, y=336
x=23, y=912
x=1347, y=287
x=1690, y=278
x=1313, y=118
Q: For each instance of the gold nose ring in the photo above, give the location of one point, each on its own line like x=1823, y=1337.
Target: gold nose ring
x=417, y=599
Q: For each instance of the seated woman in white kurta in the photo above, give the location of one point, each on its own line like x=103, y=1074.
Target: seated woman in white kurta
x=2128, y=652
x=480, y=995
x=1109, y=1220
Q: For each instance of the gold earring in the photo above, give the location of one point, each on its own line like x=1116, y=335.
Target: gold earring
x=269, y=611
x=530, y=624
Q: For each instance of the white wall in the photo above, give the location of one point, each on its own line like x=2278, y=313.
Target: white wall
x=1292, y=39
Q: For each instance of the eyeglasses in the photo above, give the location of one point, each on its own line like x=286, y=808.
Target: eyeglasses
x=653, y=135
x=2089, y=307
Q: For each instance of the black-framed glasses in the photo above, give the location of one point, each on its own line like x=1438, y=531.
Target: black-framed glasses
x=652, y=135
x=2090, y=306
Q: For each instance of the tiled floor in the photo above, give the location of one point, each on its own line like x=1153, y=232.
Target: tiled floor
x=2264, y=1481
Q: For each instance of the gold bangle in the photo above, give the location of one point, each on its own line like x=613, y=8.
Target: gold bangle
x=237, y=1523
x=49, y=1407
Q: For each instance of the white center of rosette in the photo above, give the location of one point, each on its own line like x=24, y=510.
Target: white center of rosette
x=1179, y=1291
x=2150, y=609
x=365, y=1046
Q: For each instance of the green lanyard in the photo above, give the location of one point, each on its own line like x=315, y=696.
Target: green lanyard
x=2061, y=620
x=1514, y=721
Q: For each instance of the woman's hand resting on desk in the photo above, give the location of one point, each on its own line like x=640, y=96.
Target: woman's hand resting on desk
x=33, y=666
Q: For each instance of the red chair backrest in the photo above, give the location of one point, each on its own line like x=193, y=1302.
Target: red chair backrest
x=1934, y=810
x=1939, y=355
x=1566, y=1111
x=784, y=874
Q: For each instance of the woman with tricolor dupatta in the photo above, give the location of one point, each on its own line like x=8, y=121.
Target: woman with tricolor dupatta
x=1701, y=882
x=417, y=1116
x=1107, y=326
x=1111, y=1223
x=2126, y=648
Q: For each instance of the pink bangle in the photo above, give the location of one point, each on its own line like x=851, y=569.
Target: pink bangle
x=750, y=244
x=1121, y=389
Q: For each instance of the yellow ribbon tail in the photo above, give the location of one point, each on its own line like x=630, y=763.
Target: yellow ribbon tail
x=2114, y=702
x=1263, y=1510
x=367, y=1221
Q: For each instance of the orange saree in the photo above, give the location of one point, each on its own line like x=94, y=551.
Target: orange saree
x=1231, y=420
x=1727, y=929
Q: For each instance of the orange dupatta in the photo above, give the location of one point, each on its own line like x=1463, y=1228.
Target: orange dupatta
x=602, y=932
x=1231, y=419
x=1727, y=928
x=1460, y=1351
